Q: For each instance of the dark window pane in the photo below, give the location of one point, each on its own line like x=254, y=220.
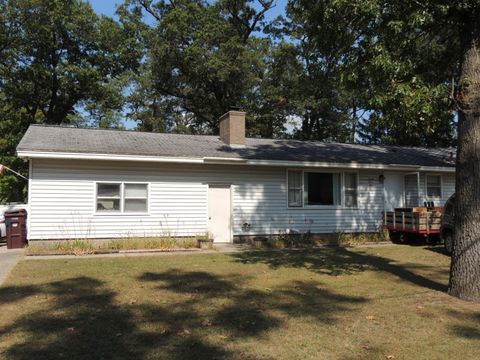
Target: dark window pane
x=433, y=180
x=434, y=186
x=434, y=192
x=320, y=188
x=108, y=190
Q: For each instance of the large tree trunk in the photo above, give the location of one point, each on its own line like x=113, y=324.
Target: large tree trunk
x=465, y=268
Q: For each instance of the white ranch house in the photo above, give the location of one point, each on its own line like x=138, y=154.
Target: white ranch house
x=91, y=183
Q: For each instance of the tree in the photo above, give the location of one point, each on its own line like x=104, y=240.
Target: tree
x=465, y=269
x=430, y=53
x=324, y=94
x=273, y=102
x=410, y=61
x=387, y=68
x=59, y=61
x=204, y=57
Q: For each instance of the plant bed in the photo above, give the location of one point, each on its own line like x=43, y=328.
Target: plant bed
x=91, y=247
x=260, y=242
x=205, y=244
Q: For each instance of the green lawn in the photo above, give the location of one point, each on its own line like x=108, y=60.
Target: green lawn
x=364, y=303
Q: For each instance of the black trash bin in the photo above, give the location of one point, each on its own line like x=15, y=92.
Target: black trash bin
x=16, y=224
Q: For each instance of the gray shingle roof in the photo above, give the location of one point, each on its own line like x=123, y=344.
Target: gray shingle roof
x=121, y=142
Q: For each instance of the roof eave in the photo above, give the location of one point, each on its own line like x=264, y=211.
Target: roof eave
x=113, y=157
x=228, y=161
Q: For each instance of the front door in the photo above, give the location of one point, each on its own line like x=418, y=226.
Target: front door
x=393, y=189
x=219, y=213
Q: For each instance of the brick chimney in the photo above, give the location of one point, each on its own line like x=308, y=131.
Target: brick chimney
x=232, y=128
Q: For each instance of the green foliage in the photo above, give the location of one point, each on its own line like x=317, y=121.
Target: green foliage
x=60, y=63
x=12, y=187
x=363, y=70
x=367, y=71
x=390, y=65
x=203, y=59
x=88, y=246
x=157, y=243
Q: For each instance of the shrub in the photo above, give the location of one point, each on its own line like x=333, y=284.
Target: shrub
x=86, y=246
x=162, y=243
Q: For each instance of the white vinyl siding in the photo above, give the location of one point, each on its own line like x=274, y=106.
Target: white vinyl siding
x=63, y=200
x=448, y=187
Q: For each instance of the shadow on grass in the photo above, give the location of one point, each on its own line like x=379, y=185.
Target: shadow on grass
x=80, y=322
x=470, y=330
x=240, y=311
x=439, y=249
x=200, y=316
x=339, y=261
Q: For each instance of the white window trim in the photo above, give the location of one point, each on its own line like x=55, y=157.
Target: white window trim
x=323, y=207
x=433, y=198
x=122, y=211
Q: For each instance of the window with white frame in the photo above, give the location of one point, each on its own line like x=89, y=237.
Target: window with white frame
x=309, y=188
x=122, y=198
x=295, y=188
x=322, y=189
x=109, y=197
x=434, y=186
x=351, y=186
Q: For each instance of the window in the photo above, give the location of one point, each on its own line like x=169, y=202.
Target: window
x=321, y=189
x=434, y=186
x=135, y=198
x=122, y=198
x=351, y=189
x=295, y=188
x=108, y=197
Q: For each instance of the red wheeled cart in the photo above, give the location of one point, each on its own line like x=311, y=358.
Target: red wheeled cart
x=409, y=223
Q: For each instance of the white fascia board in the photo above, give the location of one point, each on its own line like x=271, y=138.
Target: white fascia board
x=220, y=160
x=112, y=157
x=437, y=169
x=352, y=165
x=230, y=161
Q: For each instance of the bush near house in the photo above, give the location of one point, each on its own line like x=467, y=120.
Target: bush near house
x=300, y=240
x=85, y=246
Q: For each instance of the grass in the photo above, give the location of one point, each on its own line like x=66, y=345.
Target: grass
x=83, y=247
x=360, y=303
